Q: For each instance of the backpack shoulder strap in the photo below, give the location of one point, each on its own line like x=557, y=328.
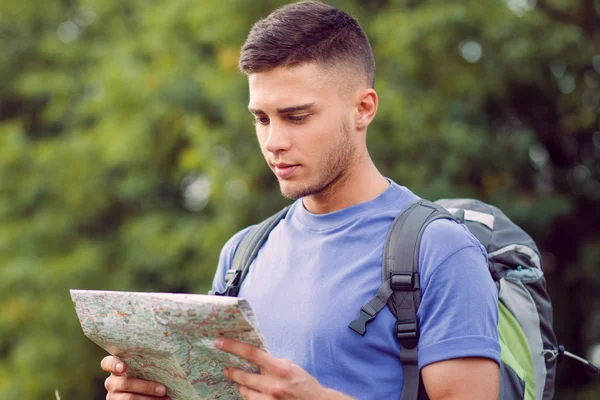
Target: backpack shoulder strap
x=401, y=267
x=246, y=253
x=400, y=290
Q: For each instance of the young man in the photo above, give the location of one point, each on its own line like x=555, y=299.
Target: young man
x=311, y=73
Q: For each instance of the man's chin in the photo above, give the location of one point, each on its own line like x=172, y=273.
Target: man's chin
x=293, y=190
x=290, y=194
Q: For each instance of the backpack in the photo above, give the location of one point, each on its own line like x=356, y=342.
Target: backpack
x=529, y=349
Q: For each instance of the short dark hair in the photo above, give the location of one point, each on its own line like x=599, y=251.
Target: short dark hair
x=307, y=31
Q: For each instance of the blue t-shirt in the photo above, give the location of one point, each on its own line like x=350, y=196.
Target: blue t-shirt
x=315, y=272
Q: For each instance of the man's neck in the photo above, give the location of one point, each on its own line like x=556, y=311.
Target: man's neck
x=362, y=183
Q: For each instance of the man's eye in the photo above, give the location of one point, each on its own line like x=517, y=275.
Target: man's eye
x=298, y=118
x=261, y=120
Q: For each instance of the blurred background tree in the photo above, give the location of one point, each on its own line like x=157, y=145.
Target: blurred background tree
x=127, y=156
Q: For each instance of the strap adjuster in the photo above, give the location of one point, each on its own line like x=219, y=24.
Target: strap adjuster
x=232, y=283
x=405, y=281
x=232, y=277
x=408, y=334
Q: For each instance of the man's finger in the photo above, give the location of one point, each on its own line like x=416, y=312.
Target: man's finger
x=249, y=394
x=117, y=384
x=249, y=379
x=113, y=365
x=248, y=352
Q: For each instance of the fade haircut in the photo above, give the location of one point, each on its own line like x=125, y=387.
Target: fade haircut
x=305, y=32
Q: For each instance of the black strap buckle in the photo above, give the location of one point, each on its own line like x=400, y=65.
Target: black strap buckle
x=232, y=277
x=405, y=281
x=359, y=325
x=408, y=334
x=232, y=283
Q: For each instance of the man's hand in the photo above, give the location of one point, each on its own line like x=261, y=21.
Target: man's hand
x=279, y=378
x=122, y=387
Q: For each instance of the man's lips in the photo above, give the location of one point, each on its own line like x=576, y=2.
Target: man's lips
x=283, y=170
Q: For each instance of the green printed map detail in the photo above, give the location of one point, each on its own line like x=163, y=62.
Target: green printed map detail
x=168, y=338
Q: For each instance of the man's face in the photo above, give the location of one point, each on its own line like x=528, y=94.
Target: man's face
x=304, y=128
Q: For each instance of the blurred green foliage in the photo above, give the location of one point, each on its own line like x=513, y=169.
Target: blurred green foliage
x=127, y=156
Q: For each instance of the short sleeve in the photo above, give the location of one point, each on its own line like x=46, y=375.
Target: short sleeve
x=226, y=259
x=458, y=315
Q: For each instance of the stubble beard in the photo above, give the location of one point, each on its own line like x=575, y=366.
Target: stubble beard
x=333, y=167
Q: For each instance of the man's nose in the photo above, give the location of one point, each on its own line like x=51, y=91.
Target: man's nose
x=278, y=139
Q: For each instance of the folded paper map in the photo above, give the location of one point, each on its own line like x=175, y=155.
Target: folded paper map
x=168, y=338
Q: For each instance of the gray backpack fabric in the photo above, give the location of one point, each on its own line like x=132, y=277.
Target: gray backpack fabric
x=515, y=264
x=529, y=347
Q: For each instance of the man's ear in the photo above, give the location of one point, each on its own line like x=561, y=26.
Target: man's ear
x=366, y=108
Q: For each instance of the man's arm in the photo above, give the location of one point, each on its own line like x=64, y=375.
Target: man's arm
x=462, y=378
x=459, y=351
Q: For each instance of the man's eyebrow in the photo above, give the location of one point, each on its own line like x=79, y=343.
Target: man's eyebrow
x=285, y=110
x=255, y=111
x=295, y=108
